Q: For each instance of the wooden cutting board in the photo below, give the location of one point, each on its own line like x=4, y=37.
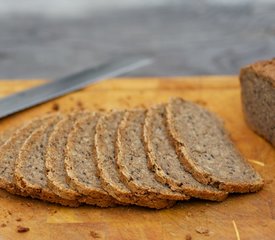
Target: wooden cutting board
x=251, y=215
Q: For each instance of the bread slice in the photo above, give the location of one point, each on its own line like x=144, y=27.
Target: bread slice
x=132, y=160
x=258, y=98
x=30, y=172
x=55, y=157
x=163, y=159
x=106, y=134
x=10, y=150
x=80, y=161
x=5, y=135
x=206, y=149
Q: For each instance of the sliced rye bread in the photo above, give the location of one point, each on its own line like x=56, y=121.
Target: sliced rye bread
x=105, y=139
x=258, y=98
x=132, y=160
x=55, y=157
x=163, y=159
x=10, y=150
x=206, y=149
x=30, y=172
x=5, y=135
x=80, y=161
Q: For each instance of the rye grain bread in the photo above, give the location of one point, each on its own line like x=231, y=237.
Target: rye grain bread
x=80, y=161
x=163, y=159
x=30, y=172
x=206, y=150
x=55, y=157
x=132, y=160
x=10, y=150
x=258, y=98
x=6, y=134
x=105, y=140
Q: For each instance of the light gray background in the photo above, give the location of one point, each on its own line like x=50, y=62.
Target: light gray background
x=49, y=39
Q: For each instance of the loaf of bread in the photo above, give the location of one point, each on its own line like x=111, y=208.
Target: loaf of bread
x=151, y=158
x=258, y=98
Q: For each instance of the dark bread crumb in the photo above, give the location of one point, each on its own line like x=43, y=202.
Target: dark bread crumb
x=188, y=237
x=201, y=102
x=94, y=234
x=3, y=225
x=22, y=229
x=18, y=219
x=80, y=105
x=202, y=230
x=55, y=107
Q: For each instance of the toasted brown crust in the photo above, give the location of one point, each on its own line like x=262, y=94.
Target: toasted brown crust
x=81, y=149
x=130, y=145
x=9, y=153
x=163, y=159
x=31, y=155
x=105, y=139
x=199, y=172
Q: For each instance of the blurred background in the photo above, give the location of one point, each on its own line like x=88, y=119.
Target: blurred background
x=52, y=38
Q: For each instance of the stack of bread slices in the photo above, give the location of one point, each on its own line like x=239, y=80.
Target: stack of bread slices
x=151, y=158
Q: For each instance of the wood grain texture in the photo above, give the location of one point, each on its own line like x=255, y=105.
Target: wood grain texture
x=254, y=214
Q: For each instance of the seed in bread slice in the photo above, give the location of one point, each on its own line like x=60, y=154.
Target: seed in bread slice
x=30, y=172
x=163, y=159
x=206, y=149
x=9, y=153
x=105, y=139
x=132, y=160
x=80, y=161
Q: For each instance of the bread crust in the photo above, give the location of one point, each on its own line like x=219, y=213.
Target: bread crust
x=106, y=132
x=81, y=136
x=34, y=147
x=157, y=137
x=152, y=191
x=9, y=153
x=200, y=173
x=258, y=98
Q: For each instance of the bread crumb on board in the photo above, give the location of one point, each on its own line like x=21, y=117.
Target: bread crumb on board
x=188, y=237
x=94, y=234
x=55, y=107
x=202, y=230
x=3, y=225
x=18, y=219
x=22, y=229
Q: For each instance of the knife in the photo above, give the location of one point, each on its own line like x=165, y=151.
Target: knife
x=56, y=88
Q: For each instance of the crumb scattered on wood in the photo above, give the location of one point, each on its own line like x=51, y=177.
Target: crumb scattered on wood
x=189, y=214
x=55, y=107
x=94, y=234
x=29, y=204
x=269, y=181
x=257, y=162
x=80, y=105
x=18, y=219
x=22, y=229
x=188, y=237
x=3, y=225
x=9, y=212
x=201, y=102
x=202, y=230
x=236, y=230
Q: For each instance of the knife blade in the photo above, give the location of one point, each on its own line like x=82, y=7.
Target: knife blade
x=56, y=88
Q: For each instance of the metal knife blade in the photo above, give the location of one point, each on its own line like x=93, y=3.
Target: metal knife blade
x=59, y=87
